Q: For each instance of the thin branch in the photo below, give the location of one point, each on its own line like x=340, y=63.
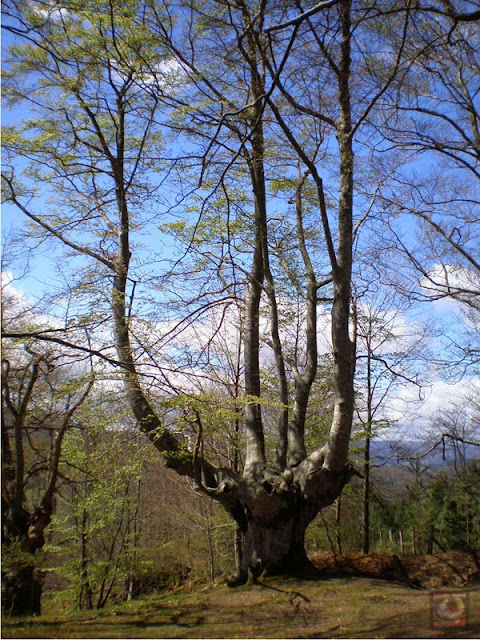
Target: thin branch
x=64, y=343
x=73, y=245
x=326, y=4
x=441, y=441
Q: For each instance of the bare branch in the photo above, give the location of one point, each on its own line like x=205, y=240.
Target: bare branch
x=326, y=4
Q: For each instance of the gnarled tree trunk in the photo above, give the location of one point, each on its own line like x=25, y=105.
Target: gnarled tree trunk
x=21, y=586
x=278, y=514
x=23, y=529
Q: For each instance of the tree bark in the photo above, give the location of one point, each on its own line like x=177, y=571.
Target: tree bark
x=21, y=592
x=277, y=508
x=21, y=588
x=366, y=495
x=255, y=453
x=343, y=347
x=22, y=530
x=366, y=457
x=305, y=380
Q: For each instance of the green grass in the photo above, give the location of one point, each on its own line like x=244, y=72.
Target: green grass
x=277, y=608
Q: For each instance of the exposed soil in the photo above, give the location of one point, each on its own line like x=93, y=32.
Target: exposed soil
x=453, y=569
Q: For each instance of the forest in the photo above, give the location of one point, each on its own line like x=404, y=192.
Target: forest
x=240, y=290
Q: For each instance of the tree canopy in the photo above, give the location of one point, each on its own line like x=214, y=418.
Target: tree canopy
x=224, y=184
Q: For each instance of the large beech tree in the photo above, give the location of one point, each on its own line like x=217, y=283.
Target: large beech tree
x=254, y=94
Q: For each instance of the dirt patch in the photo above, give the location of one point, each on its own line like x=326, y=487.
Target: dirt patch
x=454, y=568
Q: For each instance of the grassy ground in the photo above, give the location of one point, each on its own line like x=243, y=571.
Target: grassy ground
x=349, y=607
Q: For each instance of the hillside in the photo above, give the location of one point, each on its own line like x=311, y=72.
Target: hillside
x=389, y=452
x=334, y=607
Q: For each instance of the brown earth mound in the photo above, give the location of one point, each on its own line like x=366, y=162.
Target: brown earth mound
x=453, y=569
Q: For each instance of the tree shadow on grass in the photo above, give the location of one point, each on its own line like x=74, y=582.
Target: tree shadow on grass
x=393, y=628
x=417, y=625
x=121, y=620
x=412, y=624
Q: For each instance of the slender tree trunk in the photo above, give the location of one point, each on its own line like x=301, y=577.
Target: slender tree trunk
x=431, y=536
x=211, y=551
x=305, y=380
x=366, y=499
x=366, y=459
x=85, y=596
x=338, y=516
x=343, y=346
x=255, y=453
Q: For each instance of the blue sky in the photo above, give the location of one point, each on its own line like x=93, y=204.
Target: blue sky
x=44, y=270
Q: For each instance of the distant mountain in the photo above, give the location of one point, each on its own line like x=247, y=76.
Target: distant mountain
x=385, y=452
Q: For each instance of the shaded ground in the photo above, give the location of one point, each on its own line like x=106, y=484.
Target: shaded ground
x=334, y=607
x=454, y=568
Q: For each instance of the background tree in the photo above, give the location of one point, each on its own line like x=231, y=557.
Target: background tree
x=432, y=118
x=98, y=528
x=39, y=403
x=391, y=352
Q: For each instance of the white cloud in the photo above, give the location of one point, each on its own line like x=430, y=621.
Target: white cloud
x=49, y=10
x=14, y=301
x=167, y=74
x=450, y=279
x=414, y=411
